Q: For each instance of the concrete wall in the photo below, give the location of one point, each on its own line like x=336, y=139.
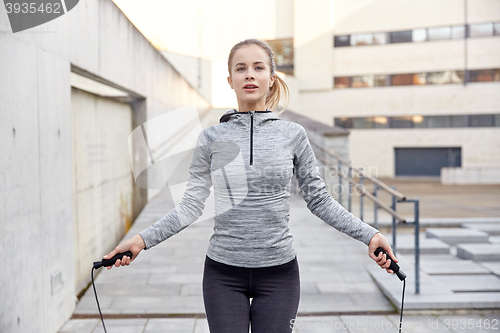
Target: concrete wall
x=471, y=175
x=198, y=72
x=36, y=229
x=101, y=177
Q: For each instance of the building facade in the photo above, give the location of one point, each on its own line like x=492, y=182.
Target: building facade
x=417, y=83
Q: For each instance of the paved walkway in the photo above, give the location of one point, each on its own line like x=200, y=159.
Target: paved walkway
x=335, y=282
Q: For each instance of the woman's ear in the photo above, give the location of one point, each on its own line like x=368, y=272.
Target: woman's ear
x=273, y=78
x=230, y=81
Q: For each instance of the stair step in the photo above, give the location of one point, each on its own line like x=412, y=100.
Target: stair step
x=454, y=236
x=405, y=244
x=479, y=252
x=492, y=229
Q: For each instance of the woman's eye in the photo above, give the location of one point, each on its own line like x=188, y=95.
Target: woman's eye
x=260, y=67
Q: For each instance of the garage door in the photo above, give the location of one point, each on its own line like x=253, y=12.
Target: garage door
x=426, y=161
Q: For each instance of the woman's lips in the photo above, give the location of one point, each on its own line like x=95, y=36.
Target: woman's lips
x=250, y=89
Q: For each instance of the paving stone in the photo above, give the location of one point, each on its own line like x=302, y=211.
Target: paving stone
x=317, y=324
x=492, y=266
x=464, y=323
x=121, y=325
x=201, y=326
x=419, y=324
x=170, y=325
x=489, y=228
x=453, y=236
x=346, y=287
x=372, y=324
x=79, y=326
x=479, y=252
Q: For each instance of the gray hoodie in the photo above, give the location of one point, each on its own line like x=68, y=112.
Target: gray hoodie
x=250, y=158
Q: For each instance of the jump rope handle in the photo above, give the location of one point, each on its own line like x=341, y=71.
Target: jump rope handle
x=111, y=261
x=394, y=267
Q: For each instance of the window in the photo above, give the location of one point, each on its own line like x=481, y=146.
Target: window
x=419, y=121
x=401, y=36
x=439, y=33
x=343, y=122
x=381, y=38
x=379, y=80
x=342, y=82
x=438, y=121
x=458, y=32
x=283, y=54
x=419, y=35
x=481, y=29
x=361, y=39
x=401, y=122
x=401, y=79
x=362, y=81
x=482, y=75
x=481, y=120
x=362, y=122
x=458, y=121
x=408, y=79
x=438, y=77
x=457, y=77
x=342, y=41
x=381, y=122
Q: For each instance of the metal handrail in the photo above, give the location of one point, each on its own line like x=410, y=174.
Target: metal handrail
x=377, y=202
x=359, y=170
x=368, y=194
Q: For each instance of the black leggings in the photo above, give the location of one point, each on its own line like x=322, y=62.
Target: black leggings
x=275, y=293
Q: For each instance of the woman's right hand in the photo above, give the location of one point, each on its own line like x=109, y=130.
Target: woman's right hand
x=135, y=245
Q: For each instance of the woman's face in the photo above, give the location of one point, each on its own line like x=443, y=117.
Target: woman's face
x=250, y=65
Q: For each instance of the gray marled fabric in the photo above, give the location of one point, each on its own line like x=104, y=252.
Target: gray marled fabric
x=252, y=201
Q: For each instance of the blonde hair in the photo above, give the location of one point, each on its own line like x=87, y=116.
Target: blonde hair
x=279, y=89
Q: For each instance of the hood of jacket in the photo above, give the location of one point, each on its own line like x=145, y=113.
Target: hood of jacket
x=243, y=119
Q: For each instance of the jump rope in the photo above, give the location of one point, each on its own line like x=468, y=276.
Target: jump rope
x=110, y=262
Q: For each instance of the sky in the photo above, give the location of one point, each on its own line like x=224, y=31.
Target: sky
x=196, y=28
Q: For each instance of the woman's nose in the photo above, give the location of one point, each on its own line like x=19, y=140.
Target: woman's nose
x=250, y=74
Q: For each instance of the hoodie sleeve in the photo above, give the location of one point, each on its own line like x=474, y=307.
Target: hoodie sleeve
x=318, y=200
x=190, y=208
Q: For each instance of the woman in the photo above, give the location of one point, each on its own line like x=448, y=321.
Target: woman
x=250, y=158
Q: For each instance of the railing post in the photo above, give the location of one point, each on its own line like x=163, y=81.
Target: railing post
x=375, y=211
x=393, y=221
x=361, y=178
x=340, y=182
x=417, y=248
x=417, y=243
x=349, y=193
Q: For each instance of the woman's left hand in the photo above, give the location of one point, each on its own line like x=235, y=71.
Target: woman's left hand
x=380, y=241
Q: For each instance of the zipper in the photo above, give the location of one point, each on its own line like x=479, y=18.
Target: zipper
x=251, y=137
